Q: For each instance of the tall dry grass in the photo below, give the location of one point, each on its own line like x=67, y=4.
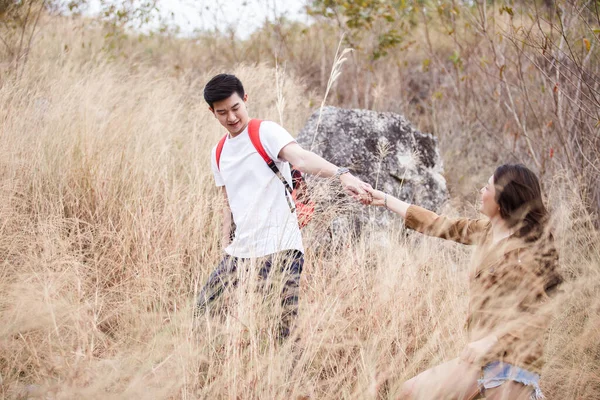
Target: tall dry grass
x=503, y=80
x=109, y=223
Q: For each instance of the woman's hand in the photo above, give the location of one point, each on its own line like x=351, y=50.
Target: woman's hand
x=388, y=201
x=378, y=197
x=477, y=350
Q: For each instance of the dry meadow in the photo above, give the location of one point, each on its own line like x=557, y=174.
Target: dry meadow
x=110, y=221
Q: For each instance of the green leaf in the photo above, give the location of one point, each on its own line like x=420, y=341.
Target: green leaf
x=426, y=63
x=507, y=10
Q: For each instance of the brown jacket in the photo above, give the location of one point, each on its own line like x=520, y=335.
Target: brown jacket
x=509, y=281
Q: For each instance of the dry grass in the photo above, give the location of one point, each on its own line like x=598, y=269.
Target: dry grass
x=109, y=223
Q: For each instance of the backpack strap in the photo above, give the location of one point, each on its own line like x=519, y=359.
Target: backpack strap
x=220, y=150
x=254, y=133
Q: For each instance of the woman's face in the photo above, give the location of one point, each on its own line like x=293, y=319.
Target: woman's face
x=489, y=207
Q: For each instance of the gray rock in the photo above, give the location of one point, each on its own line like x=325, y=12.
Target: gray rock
x=382, y=149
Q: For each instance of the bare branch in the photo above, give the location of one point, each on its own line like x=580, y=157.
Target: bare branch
x=32, y=33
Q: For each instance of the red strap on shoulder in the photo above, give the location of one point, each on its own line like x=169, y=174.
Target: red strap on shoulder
x=220, y=150
x=254, y=133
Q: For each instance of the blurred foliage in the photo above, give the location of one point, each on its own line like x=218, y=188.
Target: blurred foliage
x=391, y=21
x=20, y=19
x=122, y=13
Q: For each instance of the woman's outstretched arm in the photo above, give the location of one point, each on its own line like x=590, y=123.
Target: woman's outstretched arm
x=461, y=230
x=390, y=202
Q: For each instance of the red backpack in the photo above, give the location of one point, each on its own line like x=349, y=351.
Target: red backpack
x=303, y=206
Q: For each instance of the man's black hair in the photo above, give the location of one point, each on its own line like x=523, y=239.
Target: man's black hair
x=221, y=87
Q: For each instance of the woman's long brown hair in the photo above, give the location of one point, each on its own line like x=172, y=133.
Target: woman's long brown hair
x=519, y=196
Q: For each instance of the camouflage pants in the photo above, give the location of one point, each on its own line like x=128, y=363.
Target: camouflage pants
x=289, y=263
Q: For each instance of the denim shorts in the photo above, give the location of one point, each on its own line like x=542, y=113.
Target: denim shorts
x=496, y=373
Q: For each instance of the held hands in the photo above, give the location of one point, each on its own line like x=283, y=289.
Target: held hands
x=379, y=197
x=356, y=188
x=474, y=351
x=362, y=191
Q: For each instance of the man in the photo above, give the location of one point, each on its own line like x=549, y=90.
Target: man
x=266, y=226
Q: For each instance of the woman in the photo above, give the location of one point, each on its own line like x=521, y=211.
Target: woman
x=514, y=270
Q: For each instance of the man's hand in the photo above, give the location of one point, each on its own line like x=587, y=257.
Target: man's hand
x=476, y=350
x=356, y=188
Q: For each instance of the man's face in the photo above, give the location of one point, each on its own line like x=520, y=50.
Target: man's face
x=232, y=113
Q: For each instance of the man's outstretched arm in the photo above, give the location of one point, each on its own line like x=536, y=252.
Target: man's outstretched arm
x=313, y=164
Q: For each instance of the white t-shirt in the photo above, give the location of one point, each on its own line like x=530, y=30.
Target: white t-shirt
x=264, y=223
